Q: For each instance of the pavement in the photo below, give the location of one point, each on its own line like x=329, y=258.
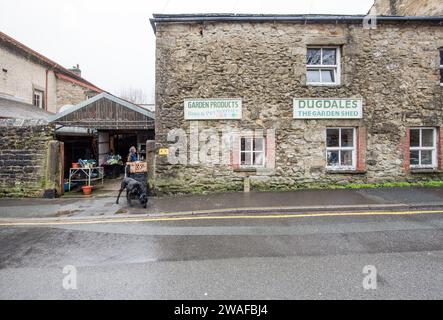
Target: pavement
x=309, y=257
x=226, y=203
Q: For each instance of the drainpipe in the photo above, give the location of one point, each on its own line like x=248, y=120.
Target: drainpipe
x=46, y=90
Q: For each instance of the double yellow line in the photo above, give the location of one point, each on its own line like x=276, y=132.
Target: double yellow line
x=219, y=217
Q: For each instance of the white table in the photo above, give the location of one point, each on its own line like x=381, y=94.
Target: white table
x=87, y=173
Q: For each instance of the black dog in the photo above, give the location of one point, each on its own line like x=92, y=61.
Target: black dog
x=133, y=189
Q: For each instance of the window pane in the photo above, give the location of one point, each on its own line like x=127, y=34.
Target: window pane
x=258, y=144
x=258, y=158
x=329, y=56
x=327, y=76
x=313, y=56
x=414, y=157
x=347, y=137
x=414, y=138
x=332, y=158
x=246, y=144
x=346, y=158
x=313, y=75
x=441, y=57
x=332, y=136
x=246, y=159
x=441, y=75
x=242, y=144
x=427, y=138
x=426, y=157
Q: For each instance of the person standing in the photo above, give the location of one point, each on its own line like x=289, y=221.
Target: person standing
x=132, y=156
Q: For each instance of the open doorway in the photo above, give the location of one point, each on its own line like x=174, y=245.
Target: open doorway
x=123, y=142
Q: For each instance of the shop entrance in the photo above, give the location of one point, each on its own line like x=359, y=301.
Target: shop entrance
x=110, y=126
x=123, y=142
x=114, y=148
x=75, y=148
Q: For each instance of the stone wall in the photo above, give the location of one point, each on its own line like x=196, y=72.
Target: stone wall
x=23, y=158
x=394, y=69
x=409, y=7
x=71, y=93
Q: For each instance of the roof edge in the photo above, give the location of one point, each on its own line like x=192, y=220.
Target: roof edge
x=106, y=95
x=319, y=18
x=80, y=83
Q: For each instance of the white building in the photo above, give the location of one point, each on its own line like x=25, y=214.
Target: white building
x=29, y=77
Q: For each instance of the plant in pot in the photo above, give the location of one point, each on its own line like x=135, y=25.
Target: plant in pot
x=87, y=190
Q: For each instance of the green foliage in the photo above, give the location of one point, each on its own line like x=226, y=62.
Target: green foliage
x=323, y=186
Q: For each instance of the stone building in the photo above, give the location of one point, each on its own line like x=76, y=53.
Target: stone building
x=304, y=100
x=32, y=89
x=408, y=7
x=30, y=77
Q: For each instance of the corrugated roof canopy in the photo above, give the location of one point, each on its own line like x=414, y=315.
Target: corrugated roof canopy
x=105, y=112
x=14, y=109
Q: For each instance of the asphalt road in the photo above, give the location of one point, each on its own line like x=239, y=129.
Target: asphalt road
x=295, y=258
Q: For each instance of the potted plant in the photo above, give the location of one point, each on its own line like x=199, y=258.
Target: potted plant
x=87, y=190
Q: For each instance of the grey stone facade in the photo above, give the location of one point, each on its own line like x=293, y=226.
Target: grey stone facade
x=393, y=68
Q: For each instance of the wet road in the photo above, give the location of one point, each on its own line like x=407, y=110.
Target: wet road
x=302, y=258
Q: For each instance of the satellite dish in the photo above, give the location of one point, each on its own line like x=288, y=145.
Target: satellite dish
x=65, y=107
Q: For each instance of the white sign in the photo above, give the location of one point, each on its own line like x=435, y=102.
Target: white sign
x=213, y=109
x=328, y=108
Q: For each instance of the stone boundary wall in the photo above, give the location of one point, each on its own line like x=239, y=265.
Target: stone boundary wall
x=24, y=146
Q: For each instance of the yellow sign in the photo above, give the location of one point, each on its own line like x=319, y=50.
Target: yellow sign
x=163, y=151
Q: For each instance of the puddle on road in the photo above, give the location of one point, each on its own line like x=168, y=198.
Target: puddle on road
x=66, y=213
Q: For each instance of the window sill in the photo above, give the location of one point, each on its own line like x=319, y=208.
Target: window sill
x=247, y=169
x=425, y=170
x=330, y=171
x=323, y=84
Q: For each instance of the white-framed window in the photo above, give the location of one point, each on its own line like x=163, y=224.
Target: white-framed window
x=323, y=66
x=423, y=147
x=38, y=98
x=441, y=66
x=340, y=148
x=252, y=151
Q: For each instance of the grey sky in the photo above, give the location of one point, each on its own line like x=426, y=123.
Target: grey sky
x=113, y=41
